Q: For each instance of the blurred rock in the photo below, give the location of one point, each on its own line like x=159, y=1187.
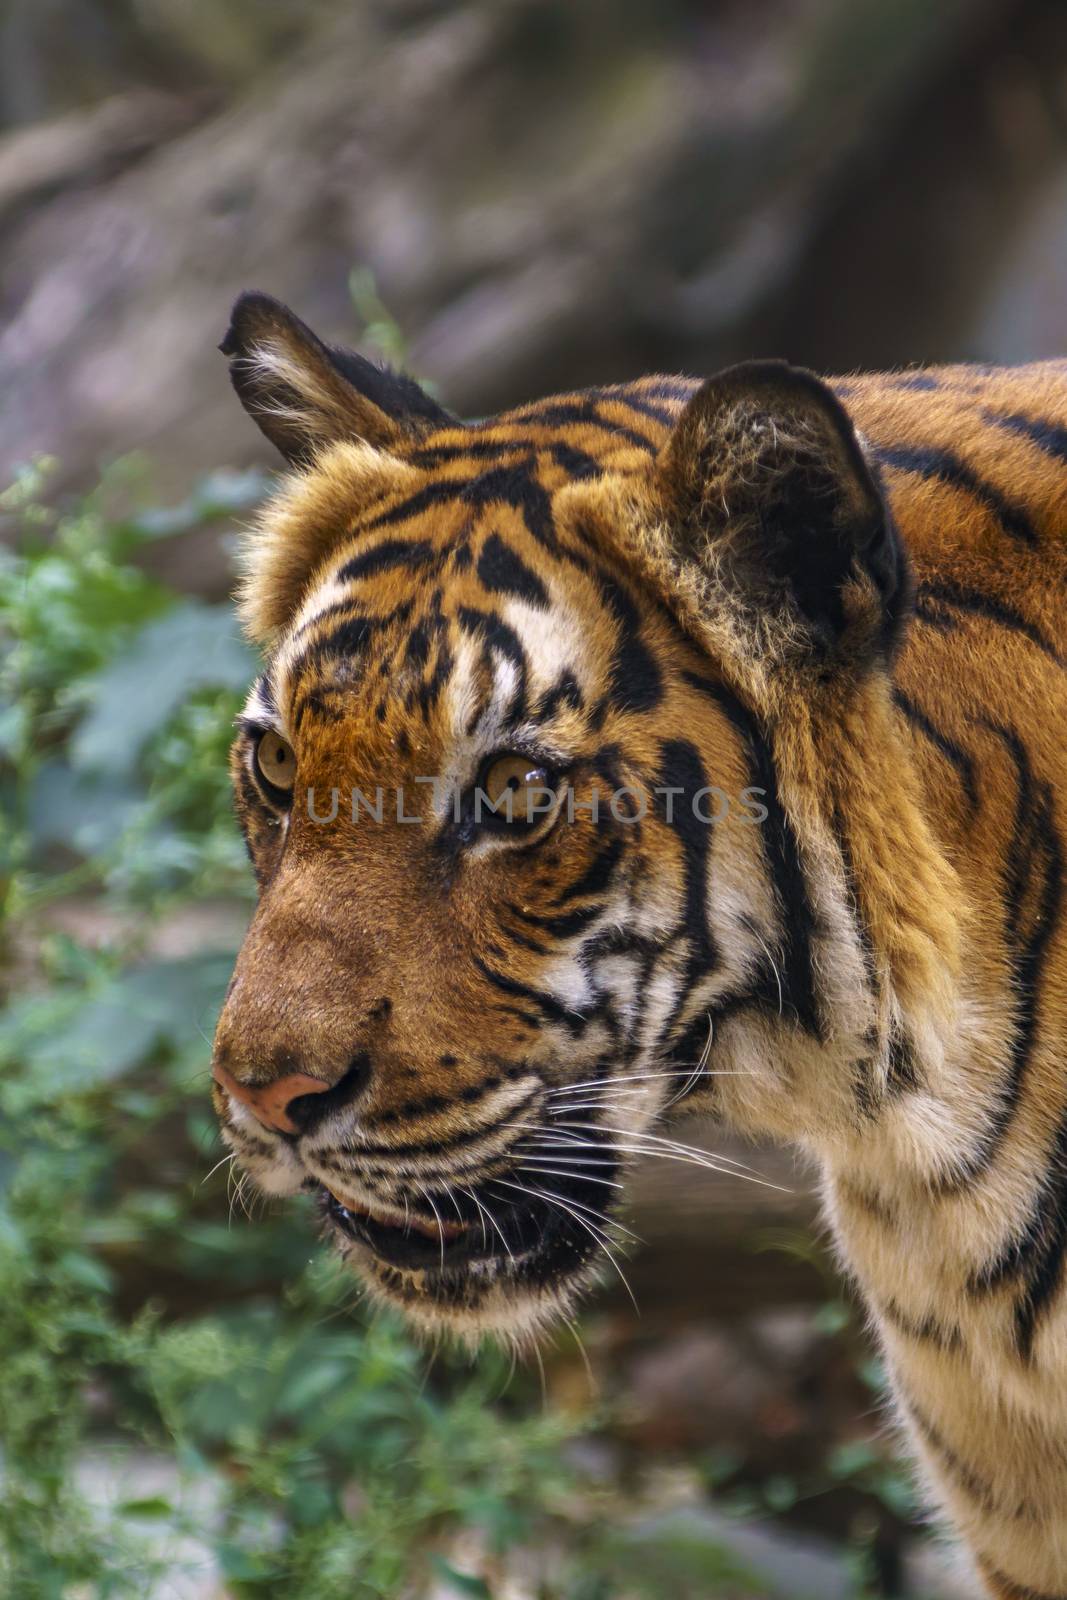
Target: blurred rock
x=86, y=147
x=546, y=195
x=701, y=1388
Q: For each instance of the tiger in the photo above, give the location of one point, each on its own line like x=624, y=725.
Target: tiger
x=666, y=746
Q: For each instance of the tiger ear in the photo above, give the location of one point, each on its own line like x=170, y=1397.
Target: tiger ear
x=304, y=394
x=770, y=494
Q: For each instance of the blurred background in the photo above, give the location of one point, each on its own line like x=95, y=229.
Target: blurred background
x=509, y=197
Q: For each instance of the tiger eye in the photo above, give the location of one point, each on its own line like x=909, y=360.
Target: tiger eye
x=528, y=785
x=276, y=761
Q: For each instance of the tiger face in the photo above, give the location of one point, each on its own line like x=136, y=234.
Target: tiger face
x=528, y=879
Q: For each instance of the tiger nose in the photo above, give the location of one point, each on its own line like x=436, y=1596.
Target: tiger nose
x=284, y=1104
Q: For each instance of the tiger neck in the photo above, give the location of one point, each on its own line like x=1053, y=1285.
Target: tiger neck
x=901, y=1045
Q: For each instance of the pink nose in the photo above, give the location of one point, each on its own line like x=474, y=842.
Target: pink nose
x=269, y=1102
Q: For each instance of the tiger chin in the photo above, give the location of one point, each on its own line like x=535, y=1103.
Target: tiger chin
x=661, y=746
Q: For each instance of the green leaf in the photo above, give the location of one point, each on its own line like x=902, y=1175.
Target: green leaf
x=76, y=1043
x=151, y=1507
x=192, y=647
x=85, y=1271
x=220, y=494
x=84, y=811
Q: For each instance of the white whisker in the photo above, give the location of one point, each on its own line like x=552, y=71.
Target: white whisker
x=231, y=1156
x=698, y=1069
x=437, y=1216
x=650, y=1144
x=774, y=966
x=574, y=1161
x=590, y=1211
x=594, y=1233
x=558, y=1127
x=607, y=1182
x=609, y=1080
x=486, y=1212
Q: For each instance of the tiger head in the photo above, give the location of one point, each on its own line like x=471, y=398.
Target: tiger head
x=538, y=788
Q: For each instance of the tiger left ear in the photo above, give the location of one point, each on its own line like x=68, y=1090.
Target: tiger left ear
x=304, y=394
x=770, y=493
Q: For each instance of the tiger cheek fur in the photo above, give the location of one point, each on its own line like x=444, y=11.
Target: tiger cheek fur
x=786, y=659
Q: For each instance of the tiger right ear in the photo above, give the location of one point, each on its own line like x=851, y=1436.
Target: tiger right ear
x=304, y=394
x=775, y=510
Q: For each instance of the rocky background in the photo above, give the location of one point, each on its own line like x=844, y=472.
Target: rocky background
x=542, y=193
x=513, y=196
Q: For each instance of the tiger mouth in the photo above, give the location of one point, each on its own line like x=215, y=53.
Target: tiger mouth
x=403, y=1241
x=540, y=1236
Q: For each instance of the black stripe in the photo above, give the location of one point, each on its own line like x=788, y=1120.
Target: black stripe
x=348, y=637
x=556, y=413
x=943, y=621
x=1013, y=1590
x=512, y=485
x=576, y=463
x=979, y=604
x=347, y=609
x=647, y=408
x=902, y=1071
x=264, y=689
x=680, y=767
x=502, y=571
x=384, y=557
x=924, y=1330
x=926, y=461
x=636, y=681
x=1050, y=437
x=547, y=1004
x=428, y=1147
x=564, y=692
x=1034, y=874
x=865, y=1088
x=782, y=850
x=560, y=927
x=474, y=450
x=424, y=499
x=977, y=1488
x=597, y=876
x=496, y=635
x=688, y=1050
x=527, y=943
x=517, y=487
x=408, y=1110
x=1037, y=1251
x=953, y=753
x=430, y=689
x=419, y=639
x=526, y=1017
x=912, y=380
